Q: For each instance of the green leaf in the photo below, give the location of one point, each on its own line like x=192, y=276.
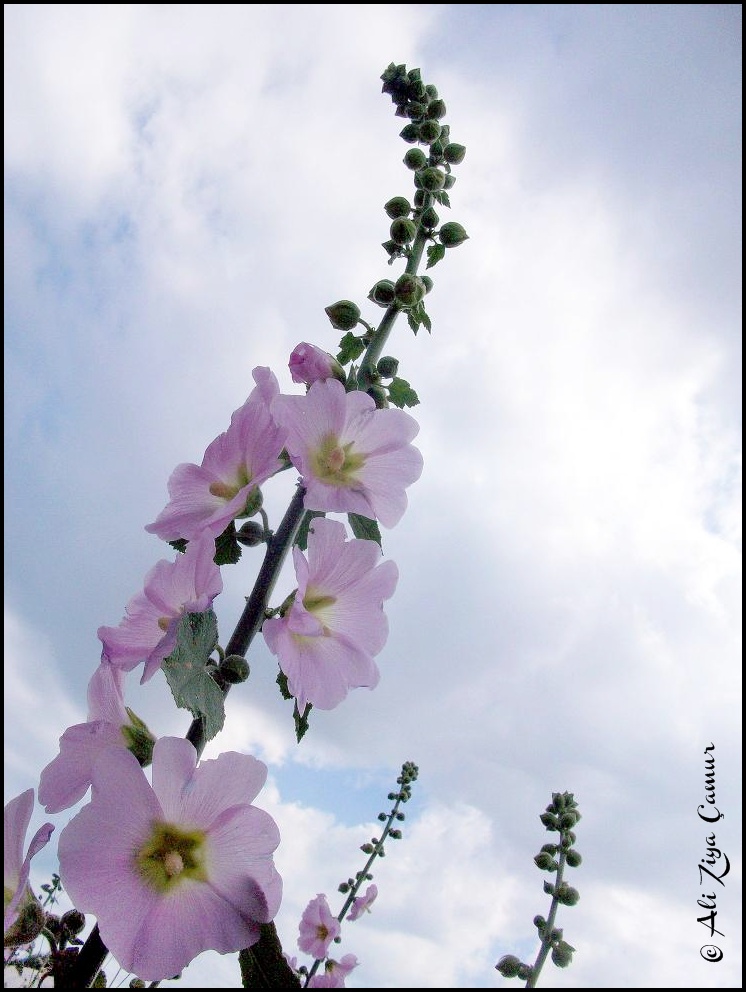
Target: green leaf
x=192, y=686
x=413, y=319
x=227, y=548
x=425, y=318
x=180, y=544
x=401, y=393
x=442, y=197
x=350, y=348
x=434, y=255
x=301, y=722
x=364, y=527
x=301, y=538
x=263, y=965
x=282, y=681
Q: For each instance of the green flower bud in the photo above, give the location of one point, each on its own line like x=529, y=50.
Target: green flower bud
x=366, y=848
x=254, y=502
x=344, y=315
x=450, y=182
x=382, y=817
x=387, y=367
x=250, y=534
x=429, y=131
x=555, y=935
x=436, y=109
x=545, y=862
x=72, y=922
x=432, y=91
x=562, y=955
x=431, y=179
x=539, y=923
x=234, y=669
x=429, y=218
x=410, y=132
x=28, y=924
x=454, y=154
x=568, y=819
x=508, y=966
x=548, y=888
x=420, y=196
x=403, y=230
x=138, y=739
x=567, y=895
x=568, y=839
x=415, y=110
x=343, y=887
x=550, y=848
x=409, y=289
x=573, y=858
x=451, y=235
x=428, y=283
x=398, y=206
x=136, y=983
x=415, y=159
x=524, y=972
x=383, y=293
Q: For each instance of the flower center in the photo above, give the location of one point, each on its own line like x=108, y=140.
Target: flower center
x=170, y=855
x=227, y=490
x=336, y=464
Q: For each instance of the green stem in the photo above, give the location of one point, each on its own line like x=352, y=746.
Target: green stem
x=546, y=944
x=375, y=349
x=251, y=619
x=360, y=879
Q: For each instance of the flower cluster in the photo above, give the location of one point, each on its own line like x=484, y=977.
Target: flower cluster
x=169, y=853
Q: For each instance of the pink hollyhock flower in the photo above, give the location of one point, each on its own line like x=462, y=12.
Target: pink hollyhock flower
x=210, y=495
x=362, y=903
x=310, y=364
x=326, y=641
x=174, y=869
x=353, y=457
x=318, y=927
x=16, y=867
x=148, y=631
x=335, y=973
x=67, y=778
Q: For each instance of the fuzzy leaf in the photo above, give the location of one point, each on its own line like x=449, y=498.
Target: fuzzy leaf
x=350, y=348
x=192, y=686
x=434, y=255
x=301, y=722
x=364, y=527
x=401, y=393
x=180, y=544
x=227, y=548
x=301, y=538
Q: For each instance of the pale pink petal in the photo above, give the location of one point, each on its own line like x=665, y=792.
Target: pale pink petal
x=106, y=695
x=198, y=796
x=67, y=778
x=240, y=846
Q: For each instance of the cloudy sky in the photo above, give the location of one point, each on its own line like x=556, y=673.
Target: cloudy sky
x=187, y=187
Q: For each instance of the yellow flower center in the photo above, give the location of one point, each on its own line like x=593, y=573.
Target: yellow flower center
x=336, y=464
x=170, y=855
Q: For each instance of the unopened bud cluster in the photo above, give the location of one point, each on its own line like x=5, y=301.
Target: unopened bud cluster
x=560, y=816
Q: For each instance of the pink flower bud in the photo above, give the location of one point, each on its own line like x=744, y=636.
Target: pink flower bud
x=310, y=364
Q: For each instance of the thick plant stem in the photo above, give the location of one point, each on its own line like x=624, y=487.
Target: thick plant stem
x=252, y=617
x=546, y=944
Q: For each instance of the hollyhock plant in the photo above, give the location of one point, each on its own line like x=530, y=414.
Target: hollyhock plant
x=67, y=778
x=334, y=974
x=310, y=364
x=16, y=866
x=326, y=641
x=353, y=457
x=209, y=496
x=148, y=630
x=176, y=868
x=318, y=927
x=362, y=903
